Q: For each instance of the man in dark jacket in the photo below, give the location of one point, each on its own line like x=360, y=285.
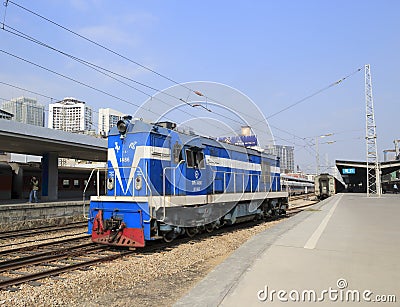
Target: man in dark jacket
x=34, y=190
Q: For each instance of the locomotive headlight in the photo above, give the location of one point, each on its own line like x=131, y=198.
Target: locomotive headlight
x=138, y=182
x=110, y=183
x=122, y=126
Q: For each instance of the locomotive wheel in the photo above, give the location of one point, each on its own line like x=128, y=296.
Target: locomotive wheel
x=209, y=227
x=191, y=231
x=169, y=236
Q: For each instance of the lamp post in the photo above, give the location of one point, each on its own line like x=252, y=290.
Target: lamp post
x=317, y=149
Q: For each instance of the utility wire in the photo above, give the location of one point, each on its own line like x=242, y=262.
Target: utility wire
x=147, y=68
x=23, y=89
x=86, y=85
x=72, y=79
x=93, y=66
x=306, y=147
x=107, y=72
x=113, y=52
x=299, y=102
x=111, y=95
x=99, y=45
x=98, y=68
x=314, y=94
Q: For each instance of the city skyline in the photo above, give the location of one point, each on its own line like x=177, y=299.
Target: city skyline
x=10, y=110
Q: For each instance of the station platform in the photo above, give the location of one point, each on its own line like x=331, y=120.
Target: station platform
x=20, y=214
x=342, y=251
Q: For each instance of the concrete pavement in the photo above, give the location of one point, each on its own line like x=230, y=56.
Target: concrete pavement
x=343, y=251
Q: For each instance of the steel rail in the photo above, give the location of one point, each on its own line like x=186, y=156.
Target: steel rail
x=47, y=256
x=39, y=230
x=32, y=247
x=40, y=275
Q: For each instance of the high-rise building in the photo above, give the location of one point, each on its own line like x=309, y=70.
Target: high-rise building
x=71, y=115
x=25, y=110
x=286, y=155
x=108, y=118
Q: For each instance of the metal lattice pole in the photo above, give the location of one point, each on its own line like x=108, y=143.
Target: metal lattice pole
x=373, y=170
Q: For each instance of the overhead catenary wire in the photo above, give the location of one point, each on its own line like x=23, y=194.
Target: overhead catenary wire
x=71, y=79
x=57, y=99
x=97, y=68
x=46, y=96
x=99, y=90
x=84, y=84
x=26, y=90
x=99, y=45
x=306, y=147
x=114, y=52
x=161, y=75
x=107, y=72
x=101, y=70
x=276, y=113
x=314, y=94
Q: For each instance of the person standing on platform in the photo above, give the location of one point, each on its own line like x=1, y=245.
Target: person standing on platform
x=395, y=189
x=34, y=190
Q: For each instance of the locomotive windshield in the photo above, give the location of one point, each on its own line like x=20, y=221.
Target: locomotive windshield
x=194, y=158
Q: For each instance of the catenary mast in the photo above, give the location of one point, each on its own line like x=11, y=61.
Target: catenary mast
x=373, y=169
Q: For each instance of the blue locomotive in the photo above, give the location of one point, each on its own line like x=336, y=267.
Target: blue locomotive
x=162, y=183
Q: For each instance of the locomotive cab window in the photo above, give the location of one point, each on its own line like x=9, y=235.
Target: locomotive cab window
x=194, y=158
x=189, y=158
x=199, y=159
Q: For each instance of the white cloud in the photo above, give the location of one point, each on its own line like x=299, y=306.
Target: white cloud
x=83, y=5
x=125, y=30
x=109, y=34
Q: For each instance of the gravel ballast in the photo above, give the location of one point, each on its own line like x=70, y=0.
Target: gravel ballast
x=142, y=279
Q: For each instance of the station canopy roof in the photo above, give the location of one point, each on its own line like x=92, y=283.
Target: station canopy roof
x=22, y=138
x=386, y=167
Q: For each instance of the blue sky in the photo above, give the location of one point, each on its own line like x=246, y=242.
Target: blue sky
x=275, y=52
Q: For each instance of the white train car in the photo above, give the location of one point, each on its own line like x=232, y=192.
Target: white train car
x=296, y=186
x=325, y=186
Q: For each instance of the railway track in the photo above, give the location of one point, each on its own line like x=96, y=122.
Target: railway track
x=38, y=230
x=29, y=264
x=302, y=196
x=298, y=208
x=32, y=263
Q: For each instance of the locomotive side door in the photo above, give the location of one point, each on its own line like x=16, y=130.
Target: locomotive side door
x=177, y=173
x=160, y=158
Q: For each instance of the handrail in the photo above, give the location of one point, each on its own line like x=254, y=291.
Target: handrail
x=150, y=196
x=84, y=195
x=243, y=174
x=164, y=184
